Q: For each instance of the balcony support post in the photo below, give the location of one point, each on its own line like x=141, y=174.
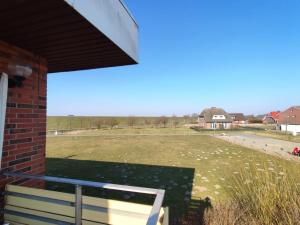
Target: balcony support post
x=78, y=204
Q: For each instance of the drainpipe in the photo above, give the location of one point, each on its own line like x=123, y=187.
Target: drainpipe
x=3, y=99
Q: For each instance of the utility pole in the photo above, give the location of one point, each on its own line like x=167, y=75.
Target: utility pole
x=215, y=126
x=294, y=125
x=286, y=125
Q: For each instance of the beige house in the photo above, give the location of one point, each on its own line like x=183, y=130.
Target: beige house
x=214, y=118
x=238, y=118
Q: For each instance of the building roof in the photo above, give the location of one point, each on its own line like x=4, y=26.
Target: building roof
x=208, y=114
x=291, y=116
x=238, y=116
x=71, y=34
x=274, y=115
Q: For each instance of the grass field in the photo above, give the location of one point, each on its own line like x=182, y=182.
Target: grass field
x=189, y=166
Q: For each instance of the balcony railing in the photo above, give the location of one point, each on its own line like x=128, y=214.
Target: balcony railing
x=78, y=184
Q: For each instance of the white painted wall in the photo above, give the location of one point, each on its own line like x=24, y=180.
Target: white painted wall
x=291, y=128
x=3, y=99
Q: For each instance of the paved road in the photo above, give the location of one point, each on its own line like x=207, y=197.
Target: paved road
x=268, y=145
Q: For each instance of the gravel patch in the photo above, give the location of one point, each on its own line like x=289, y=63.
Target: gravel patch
x=267, y=145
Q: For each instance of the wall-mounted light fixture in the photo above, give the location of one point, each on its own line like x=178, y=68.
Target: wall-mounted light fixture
x=20, y=70
x=18, y=73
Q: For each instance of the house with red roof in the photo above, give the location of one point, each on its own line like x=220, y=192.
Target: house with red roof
x=271, y=117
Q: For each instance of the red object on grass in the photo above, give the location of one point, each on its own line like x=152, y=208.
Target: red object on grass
x=296, y=151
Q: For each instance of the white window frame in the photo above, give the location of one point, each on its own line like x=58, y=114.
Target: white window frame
x=214, y=125
x=219, y=117
x=3, y=100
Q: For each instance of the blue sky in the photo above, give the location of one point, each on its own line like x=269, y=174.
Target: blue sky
x=242, y=55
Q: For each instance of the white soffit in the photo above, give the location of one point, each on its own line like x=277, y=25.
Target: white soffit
x=113, y=19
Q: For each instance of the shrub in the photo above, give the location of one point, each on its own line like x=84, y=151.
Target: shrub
x=255, y=120
x=227, y=213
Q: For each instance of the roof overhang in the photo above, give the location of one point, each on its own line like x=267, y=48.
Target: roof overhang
x=72, y=34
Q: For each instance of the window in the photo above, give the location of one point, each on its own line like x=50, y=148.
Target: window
x=213, y=126
x=3, y=99
x=218, y=117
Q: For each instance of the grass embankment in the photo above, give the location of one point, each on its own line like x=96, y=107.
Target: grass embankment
x=277, y=135
x=190, y=168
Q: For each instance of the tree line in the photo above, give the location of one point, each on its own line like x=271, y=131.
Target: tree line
x=75, y=122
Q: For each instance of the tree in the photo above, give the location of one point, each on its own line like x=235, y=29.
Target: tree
x=175, y=121
x=195, y=115
x=99, y=123
x=112, y=122
x=147, y=122
x=186, y=118
x=255, y=120
x=81, y=122
x=194, y=118
x=58, y=122
x=164, y=120
x=157, y=122
x=131, y=121
x=70, y=123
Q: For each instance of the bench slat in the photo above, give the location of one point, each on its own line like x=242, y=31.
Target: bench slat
x=39, y=213
x=13, y=220
x=40, y=206
x=94, y=209
x=104, y=217
x=113, y=204
x=17, y=219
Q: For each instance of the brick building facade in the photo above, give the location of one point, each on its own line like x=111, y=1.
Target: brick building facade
x=40, y=37
x=25, y=122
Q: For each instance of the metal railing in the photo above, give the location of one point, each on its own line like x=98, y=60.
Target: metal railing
x=154, y=214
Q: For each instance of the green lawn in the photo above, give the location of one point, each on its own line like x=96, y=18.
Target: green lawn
x=190, y=167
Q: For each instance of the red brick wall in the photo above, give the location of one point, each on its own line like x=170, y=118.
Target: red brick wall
x=25, y=125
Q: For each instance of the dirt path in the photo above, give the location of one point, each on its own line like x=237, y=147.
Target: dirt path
x=271, y=146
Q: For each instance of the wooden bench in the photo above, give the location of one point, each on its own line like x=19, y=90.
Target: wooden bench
x=41, y=207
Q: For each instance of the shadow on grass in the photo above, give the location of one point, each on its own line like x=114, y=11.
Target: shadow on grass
x=177, y=182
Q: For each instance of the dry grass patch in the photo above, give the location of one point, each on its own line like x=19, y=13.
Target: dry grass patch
x=259, y=196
